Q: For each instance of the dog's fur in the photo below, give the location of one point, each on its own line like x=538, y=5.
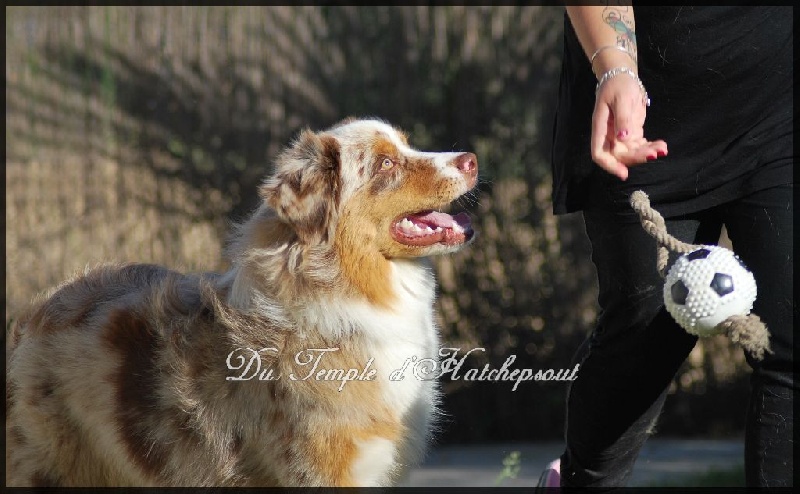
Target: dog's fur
x=118, y=378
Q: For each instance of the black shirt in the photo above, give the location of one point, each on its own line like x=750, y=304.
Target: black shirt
x=720, y=80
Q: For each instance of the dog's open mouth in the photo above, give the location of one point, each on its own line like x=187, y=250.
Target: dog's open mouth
x=432, y=227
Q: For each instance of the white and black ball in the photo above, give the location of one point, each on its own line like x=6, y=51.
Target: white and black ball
x=706, y=286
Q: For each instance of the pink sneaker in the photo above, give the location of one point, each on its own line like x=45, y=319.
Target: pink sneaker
x=551, y=477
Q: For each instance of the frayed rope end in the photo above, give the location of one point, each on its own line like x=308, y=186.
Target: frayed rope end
x=749, y=332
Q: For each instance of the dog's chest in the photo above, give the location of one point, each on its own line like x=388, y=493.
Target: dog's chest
x=404, y=340
x=404, y=347
x=405, y=363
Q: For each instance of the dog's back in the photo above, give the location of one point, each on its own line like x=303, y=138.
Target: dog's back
x=130, y=364
x=90, y=380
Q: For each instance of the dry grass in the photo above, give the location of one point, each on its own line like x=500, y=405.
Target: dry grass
x=57, y=224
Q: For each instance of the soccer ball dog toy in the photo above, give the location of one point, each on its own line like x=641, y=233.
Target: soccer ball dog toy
x=708, y=290
x=706, y=286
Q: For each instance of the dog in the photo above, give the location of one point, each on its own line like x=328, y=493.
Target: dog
x=310, y=362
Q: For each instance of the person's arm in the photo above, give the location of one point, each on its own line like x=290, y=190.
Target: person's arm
x=608, y=37
x=606, y=32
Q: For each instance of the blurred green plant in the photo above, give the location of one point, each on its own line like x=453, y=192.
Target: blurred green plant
x=511, y=466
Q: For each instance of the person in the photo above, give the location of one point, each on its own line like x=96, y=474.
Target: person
x=714, y=85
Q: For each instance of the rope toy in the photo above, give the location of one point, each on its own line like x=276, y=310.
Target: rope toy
x=708, y=290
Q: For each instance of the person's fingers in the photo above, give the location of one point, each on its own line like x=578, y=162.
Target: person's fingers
x=617, y=139
x=611, y=164
x=601, y=141
x=660, y=147
x=600, y=127
x=608, y=161
x=629, y=120
x=615, y=156
x=639, y=151
x=623, y=121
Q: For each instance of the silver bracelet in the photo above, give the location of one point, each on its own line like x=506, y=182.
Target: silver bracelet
x=616, y=47
x=622, y=70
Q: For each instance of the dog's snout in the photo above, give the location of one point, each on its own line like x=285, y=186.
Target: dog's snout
x=467, y=164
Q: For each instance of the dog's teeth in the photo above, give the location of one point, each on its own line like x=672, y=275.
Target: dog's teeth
x=410, y=227
x=457, y=228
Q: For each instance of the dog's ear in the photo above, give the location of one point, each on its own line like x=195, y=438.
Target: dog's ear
x=304, y=190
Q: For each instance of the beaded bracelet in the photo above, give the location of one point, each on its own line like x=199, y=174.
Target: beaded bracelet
x=623, y=70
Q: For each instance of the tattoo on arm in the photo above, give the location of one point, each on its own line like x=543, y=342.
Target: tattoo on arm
x=620, y=20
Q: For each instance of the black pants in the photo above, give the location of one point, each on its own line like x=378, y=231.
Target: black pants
x=636, y=348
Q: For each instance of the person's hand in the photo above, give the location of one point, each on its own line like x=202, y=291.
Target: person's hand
x=618, y=128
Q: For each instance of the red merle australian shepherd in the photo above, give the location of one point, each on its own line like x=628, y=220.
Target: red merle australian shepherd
x=275, y=373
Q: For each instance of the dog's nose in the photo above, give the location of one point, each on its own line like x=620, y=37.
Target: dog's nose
x=467, y=163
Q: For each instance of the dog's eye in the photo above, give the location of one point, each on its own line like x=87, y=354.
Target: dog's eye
x=387, y=164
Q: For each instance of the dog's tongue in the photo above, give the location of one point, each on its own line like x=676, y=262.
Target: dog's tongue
x=432, y=227
x=444, y=220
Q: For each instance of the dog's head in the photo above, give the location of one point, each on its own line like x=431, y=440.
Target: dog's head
x=361, y=184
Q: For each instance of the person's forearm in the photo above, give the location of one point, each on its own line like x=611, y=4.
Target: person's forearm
x=609, y=29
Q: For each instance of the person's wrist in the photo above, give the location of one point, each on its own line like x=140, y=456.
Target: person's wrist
x=606, y=60
x=622, y=71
